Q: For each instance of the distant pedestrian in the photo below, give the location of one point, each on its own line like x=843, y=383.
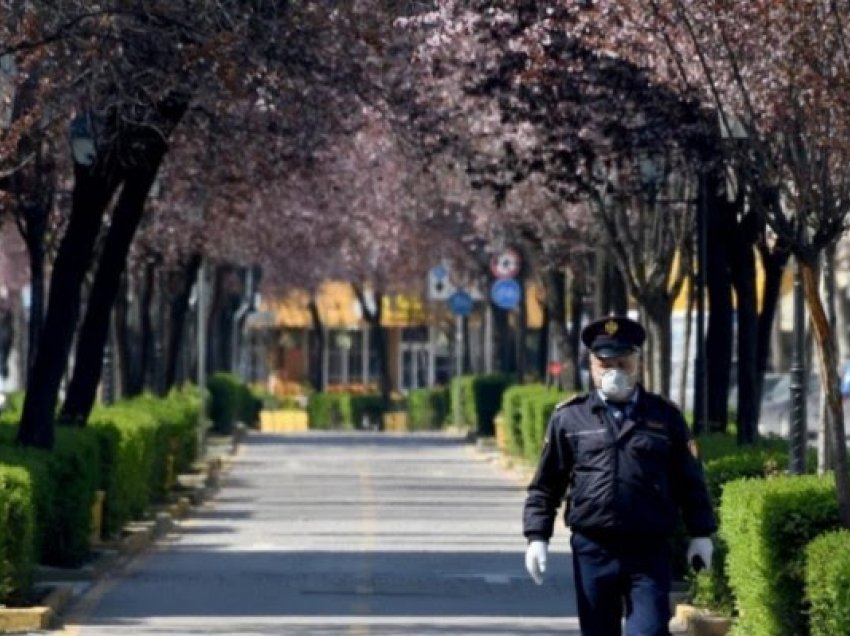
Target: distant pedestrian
x=625, y=461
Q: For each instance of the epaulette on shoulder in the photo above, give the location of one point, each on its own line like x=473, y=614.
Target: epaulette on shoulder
x=576, y=399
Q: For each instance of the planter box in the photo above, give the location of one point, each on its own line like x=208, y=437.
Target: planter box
x=283, y=421
x=395, y=421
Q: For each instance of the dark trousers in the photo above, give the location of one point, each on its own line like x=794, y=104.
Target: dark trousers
x=617, y=575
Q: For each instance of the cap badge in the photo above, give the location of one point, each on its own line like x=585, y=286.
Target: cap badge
x=611, y=327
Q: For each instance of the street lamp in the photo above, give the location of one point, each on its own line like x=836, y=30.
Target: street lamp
x=83, y=146
x=798, y=428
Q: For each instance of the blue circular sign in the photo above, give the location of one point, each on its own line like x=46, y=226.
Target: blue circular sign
x=460, y=303
x=506, y=293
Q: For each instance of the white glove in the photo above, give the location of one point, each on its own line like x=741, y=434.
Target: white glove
x=699, y=553
x=535, y=560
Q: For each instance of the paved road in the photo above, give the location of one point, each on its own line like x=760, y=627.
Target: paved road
x=330, y=534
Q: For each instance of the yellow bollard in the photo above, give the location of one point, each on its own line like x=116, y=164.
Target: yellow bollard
x=97, y=517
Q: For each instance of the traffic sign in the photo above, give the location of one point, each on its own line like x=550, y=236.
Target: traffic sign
x=506, y=263
x=555, y=368
x=439, y=285
x=506, y=293
x=460, y=303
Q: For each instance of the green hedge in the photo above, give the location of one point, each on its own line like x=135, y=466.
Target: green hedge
x=137, y=437
x=17, y=530
x=487, y=391
x=511, y=411
x=725, y=461
x=427, y=408
x=536, y=411
x=231, y=401
x=462, y=401
x=827, y=577
x=476, y=399
x=330, y=410
x=63, y=484
x=766, y=524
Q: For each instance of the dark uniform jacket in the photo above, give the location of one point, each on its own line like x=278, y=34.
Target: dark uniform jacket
x=632, y=478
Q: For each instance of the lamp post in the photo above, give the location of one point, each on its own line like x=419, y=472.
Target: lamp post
x=700, y=375
x=798, y=424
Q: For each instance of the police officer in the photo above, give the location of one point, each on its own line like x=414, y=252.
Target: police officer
x=626, y=462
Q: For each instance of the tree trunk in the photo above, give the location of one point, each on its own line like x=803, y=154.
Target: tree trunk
x=467, y=346
x=830, y=385
x=718, y=345
x=317, y=348
x=554, y=285
x=686, y=346
x=825, y=457
x=610, y=293
x=576, y=315
x=123, y=338
x=543, y=345
x=521, y=332
x=94, y=331
x=34, y=230
x=773, y=265
x=378, y=339
x=660, y=334
x=143, y=336
x=93, y=189
x=505, y=340
x=178, y=310
x=744, y=279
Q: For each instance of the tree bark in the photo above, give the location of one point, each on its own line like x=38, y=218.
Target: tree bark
x=505, y=341
x=743, y=269
x=94, y=331
x=830, y=385
x=123, y=338
x=378, y=338
x=521, y=331
x=467, y=346
x=93, y=189
x=317, y=348
x=719, y=335
x=178, y=310
x=660, y=334
x=576, y=315
x=543, y=345
x=773, y=264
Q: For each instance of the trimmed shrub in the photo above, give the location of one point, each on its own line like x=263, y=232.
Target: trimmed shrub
x=225, y=402
x=128, y=440
x=766, y=524
x=512, y=400
x=63, y=484
x=726, y=461
x=487, y=393
x=827, y=577
x=463, y=401
x=363, y=408
x=175, y=421
x=536, y=411
x=427, y=408
x=17, y=534
x=330, y=410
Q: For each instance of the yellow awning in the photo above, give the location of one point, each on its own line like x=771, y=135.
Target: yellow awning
x=339, y=309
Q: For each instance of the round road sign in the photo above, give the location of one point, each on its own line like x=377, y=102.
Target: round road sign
x=506, y=264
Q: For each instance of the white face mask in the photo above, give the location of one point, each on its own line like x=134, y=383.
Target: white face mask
x=617, y=385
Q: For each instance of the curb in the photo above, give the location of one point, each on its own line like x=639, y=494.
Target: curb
x=64, y=586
